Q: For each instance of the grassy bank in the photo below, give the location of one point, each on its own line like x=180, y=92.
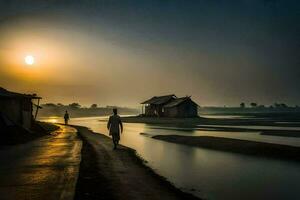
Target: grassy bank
x=253, y=148
x=271, y=132
x=162, y=120
x=17, y=135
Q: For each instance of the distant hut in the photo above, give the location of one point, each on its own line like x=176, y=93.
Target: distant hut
x=170, y=106
x=154, y=106
x=16, y=108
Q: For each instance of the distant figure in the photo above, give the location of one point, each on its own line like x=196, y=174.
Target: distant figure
x=114, y=125
x=66, y=117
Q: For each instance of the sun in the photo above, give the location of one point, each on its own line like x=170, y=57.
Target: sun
x=29, y=60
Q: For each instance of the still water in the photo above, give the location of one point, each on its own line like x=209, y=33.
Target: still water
x=207, y=173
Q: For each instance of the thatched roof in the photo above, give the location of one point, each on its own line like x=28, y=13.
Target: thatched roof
x=8, y=94
x=158, y=100
x=178, y=101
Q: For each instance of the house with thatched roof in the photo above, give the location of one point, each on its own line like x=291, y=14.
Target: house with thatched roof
x=170, y=106
x=16, y=109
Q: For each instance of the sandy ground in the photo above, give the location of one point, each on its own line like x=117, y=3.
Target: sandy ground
x=118, y=174
x=261, y=149
x=45, y=168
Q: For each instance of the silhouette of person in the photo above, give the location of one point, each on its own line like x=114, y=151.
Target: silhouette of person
x=114, y=125
x=66, y=117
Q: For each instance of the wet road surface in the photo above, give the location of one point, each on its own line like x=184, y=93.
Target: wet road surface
x=46, y=168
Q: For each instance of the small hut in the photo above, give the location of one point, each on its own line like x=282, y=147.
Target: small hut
x=170, y=106
x=16, y=108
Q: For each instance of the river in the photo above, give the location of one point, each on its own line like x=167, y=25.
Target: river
x=213, y=175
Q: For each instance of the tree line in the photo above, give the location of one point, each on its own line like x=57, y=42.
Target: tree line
x=77, y=110
x=275, y=105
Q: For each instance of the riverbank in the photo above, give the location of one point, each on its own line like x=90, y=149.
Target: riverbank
x=210, y=124
x=118, y=174
x=13, y=135
x=253, y=148
x=194, y=122
x=162, y=120
x=282, y=133
x=258, y=120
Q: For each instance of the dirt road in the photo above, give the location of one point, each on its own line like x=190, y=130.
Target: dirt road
x=118, y=174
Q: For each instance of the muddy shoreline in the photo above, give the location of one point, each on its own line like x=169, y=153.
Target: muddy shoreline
x=261, y=149
x=13, y=135
x=206, y=124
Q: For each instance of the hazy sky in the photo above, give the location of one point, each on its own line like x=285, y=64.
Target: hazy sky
x=113, y=52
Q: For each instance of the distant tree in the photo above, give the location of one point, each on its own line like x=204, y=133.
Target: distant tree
x=75, y=105
x=261, y=106
x=94, y=106
x=50, y=105
x=242, y=105
x=280, y=105
x=60, y=104
x=253, y=104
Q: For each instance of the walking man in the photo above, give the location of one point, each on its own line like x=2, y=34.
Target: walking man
x=114, y=125
x=66, y=117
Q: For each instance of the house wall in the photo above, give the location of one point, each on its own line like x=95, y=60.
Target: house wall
x=19, y=111
x=185, y=109
x=171, y=112
x=154, y=110
x=149, y=110
x=27, y=113
x=11, y=108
